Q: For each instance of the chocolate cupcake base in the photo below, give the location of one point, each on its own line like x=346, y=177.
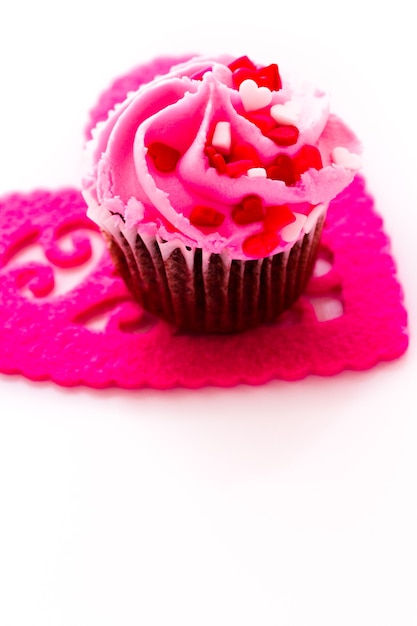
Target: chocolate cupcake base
x=209, y=294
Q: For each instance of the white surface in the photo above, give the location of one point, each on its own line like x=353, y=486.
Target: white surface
x=289, y=504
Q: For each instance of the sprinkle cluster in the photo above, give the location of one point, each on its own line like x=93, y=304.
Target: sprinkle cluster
x=234, y=158
x=278, y=123
x=249, y=211
x=242, y=158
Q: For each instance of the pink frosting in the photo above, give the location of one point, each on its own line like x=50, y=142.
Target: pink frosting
x=126, y=189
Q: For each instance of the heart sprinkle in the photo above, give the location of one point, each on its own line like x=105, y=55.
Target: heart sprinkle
x=262, y=120
x=248, y=211
x=254, y=97
x=234, y=169
x=313, y=216
x=349, y=160
x=261, y=244
x=164, y=157
x=269, y=77
x=287, y=113
x=243, y=157
x=284, y=135
x=292, y=231
x=246, y=151
x=240, y=62
x=244, y=69
x=283, y=169
x=276, y=217
x=307, y=157
x=206, y=216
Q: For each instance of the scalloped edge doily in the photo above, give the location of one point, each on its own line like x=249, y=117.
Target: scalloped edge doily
x=47, y=337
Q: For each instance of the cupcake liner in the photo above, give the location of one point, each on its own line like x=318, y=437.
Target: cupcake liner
x=209, y=293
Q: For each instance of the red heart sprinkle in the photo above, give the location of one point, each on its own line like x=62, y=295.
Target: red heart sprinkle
x=284, y=135
x=237, y=168
x=206, y=216
x=263, y=121
x=243, y=61
x=307, y=157
x=244, y=73
x=261, y=244
x=245, y=151
x=164, y=157
x=248, y=211
x=269, y=77
x=276, y=217
x=282, y=169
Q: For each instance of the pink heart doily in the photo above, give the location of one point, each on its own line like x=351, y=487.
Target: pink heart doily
x=66, y=316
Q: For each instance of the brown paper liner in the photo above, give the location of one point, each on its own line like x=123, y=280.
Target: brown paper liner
x=214, y=297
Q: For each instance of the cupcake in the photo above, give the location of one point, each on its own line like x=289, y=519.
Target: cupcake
x=211, y=185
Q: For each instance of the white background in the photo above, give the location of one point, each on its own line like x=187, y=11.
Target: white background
x=290, y=504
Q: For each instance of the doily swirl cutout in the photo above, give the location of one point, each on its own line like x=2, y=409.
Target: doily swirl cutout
x=66, y=316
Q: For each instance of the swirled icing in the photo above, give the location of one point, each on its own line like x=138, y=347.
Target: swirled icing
x=153, y=168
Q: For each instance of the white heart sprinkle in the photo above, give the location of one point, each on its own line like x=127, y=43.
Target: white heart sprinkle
x=291, y=232
x=257, y=172
x=254, y=97
x=287, y=113
x=349, y=160
x=222, y=137
x=318, y=210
